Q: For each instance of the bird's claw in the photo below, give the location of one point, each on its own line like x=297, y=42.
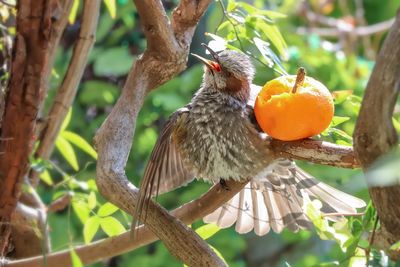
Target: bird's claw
x=223, y=184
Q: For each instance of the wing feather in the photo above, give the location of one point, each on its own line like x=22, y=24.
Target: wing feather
x=165, y=170
x=275, y=202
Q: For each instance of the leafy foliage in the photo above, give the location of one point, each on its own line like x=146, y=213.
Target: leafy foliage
x=266, y=31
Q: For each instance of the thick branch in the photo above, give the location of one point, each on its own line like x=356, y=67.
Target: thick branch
x=109, y=247
x=34, y=29
x=315, y=151
x=66, y=93
x=27, y=228
x=188, y=213
x=375, y=135
x=184, y=20
x=156, y=27
x=163, y=59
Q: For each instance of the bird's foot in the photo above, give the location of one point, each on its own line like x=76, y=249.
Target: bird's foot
x=223, y=184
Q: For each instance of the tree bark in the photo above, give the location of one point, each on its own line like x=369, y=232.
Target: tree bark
x=34, y=28
x=375, y=135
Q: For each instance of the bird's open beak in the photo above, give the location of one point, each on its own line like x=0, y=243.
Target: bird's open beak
x=209, y=63
x=212, y=52
x=212, y=65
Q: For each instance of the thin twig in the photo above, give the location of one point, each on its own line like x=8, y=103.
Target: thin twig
x=226, y=15
x=358, y=31
x=372, y=238
x=67, y=91
x=7, y=4
x=336, y=214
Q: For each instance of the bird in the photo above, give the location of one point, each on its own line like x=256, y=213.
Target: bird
x=216, y=138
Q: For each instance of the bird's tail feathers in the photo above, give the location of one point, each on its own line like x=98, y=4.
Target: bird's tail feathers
x=276, y=202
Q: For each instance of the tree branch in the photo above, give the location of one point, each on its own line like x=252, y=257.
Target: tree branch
x=315, y=151
x=61, y=11
x=156, y=28
x=25, y=94
x=27, y=228
x=67, y=91
x=358, y=31
x=188, y=213
x=163, y=59
x=375, y=135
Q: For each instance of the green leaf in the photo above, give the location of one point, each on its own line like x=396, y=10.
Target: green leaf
x=217, y=44
x=92, y=201
x=231, y=5
x=272, y=14
x=76, y=261
x=341, y=96
x=74, y=183
x=339, y=232
x=66, y=150
x=115, y=61
x=74, y=11
x=80, y=143
x=336, y=120
x=81, y=209
x=111, y=7
x=338, y=134
x=270, y=31
x=111, y=226
x=395, y=246
x=207, y=231
x=45, y=177
x=396, y=124
x=107, y=209
x=66, y=120
x=98, y=93
x=269, y=55
x=90, y=228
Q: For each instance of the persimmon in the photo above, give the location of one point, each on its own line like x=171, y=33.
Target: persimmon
x=294, y=107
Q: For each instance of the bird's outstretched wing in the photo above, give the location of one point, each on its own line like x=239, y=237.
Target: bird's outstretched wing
x=275, y=201
x=165, y=170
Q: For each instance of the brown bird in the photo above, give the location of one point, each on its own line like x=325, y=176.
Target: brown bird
x=215, y=137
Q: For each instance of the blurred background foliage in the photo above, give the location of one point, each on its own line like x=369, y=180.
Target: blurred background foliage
x=280, y=36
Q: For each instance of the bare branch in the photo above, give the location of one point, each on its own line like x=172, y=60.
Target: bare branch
x=184, y=20
x=62, y=9
x=60, y=203
x=27, y=228
x=358, y=31
x=25, y=94
x=315, y=151
x=375, y=135
x=66, y=93
x=156, y=27
x=106, y=248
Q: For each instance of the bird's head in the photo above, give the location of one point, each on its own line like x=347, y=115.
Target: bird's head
x=229, y=71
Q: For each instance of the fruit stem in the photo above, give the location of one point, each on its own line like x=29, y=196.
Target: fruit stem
x=301, y=74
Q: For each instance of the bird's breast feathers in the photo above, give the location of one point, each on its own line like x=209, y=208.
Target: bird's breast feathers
x=216, y=143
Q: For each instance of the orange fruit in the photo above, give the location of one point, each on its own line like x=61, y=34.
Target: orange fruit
x=294, y=107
